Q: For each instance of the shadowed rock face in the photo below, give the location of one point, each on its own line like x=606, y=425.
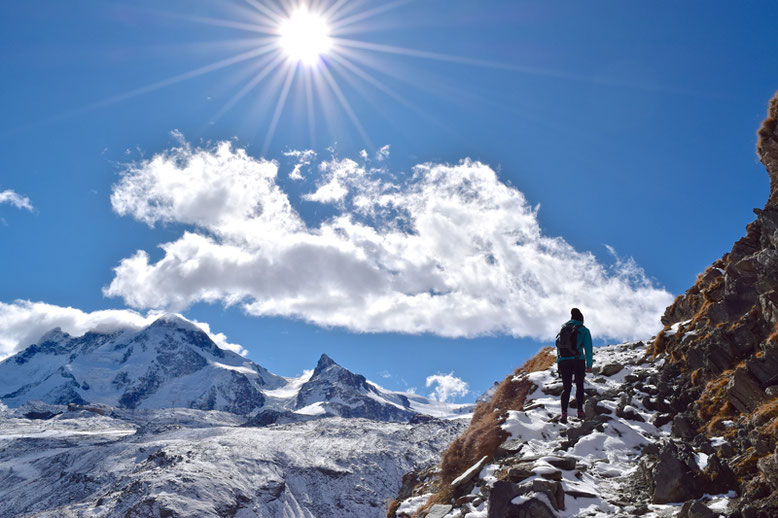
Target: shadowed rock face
x=721, y=336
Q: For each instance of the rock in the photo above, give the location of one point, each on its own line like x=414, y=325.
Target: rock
x=661, y=419
x=720, y=477
x=469, y=474
x=610, y=369
x=772, y=391
x=553, y=389
x=592, y=408
x=576, y=432
x=725, y=450
x=500, y=497
x=519, y=473
x=682, y=427
x=579, y=494
x=548, y=473
x=439, y=511
x=566, y=463
x=673, y=475
x=695, y=509
x=768, y=467
x=553, y=490
x=765, y=369
x=532, y=508
x=744, y=391
x=509, y=448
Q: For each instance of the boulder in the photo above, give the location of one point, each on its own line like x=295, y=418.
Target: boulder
x=744, y=391
x=765, y=369
x=592, y=408
x=720, y=478
x=696, y=509
x=682, y=427
x=673, y=475
x=609, y=369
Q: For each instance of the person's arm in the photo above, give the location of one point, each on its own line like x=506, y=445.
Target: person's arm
x=587, y=343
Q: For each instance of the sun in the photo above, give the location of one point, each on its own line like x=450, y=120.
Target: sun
x=305, y=37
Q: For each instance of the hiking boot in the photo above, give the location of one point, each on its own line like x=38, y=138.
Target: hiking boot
x=580, y=415
x=563, y=419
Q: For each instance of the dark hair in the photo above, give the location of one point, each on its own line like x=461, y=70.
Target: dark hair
x=576, y=314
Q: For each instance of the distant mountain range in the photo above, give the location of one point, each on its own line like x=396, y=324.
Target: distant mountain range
x=174, y=364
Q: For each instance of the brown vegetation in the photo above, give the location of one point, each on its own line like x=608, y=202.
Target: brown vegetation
x=713, y=406
x=485, y=433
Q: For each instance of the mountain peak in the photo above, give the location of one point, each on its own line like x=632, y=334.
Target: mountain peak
x=53, y=335
x=174, y=320
x=324, y=362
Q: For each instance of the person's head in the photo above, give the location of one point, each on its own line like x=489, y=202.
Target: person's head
x=576, y=314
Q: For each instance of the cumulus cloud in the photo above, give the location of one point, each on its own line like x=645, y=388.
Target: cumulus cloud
x=23, y=322
x=17, y=200
x=449, y=249
x=447, y=386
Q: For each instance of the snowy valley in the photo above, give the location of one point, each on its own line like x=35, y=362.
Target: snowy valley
x=162, y=422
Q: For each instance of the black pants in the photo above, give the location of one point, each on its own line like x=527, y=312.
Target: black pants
x=567, y=368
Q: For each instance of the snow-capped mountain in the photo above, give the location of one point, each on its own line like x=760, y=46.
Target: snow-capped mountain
x=174, y=364
x=171, y=363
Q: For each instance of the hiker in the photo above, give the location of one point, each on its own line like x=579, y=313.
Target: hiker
x=574, y=358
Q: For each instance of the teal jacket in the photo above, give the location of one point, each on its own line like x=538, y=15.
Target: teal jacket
x=584, y=344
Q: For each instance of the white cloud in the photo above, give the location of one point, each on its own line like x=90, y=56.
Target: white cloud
x=451, y=250
x=23, y=322
x=304, y=159
x=382, y=154
x=17, y=200
x=447, y=386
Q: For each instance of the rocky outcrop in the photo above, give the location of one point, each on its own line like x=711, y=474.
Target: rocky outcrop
x=721, y=339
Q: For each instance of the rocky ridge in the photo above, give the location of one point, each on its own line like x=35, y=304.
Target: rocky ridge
x=721, y=343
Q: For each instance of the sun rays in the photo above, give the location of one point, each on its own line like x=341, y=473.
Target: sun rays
x=302, y=54
x=306, y=54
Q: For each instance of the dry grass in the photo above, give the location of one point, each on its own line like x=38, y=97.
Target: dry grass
x=713, y=406
x=485, y=434
x=660, y=342
x=767, y=130
x=392, y=511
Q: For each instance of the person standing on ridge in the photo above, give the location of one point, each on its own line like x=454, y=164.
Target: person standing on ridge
x=574, y=359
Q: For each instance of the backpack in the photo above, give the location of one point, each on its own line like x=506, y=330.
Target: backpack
x=567, y=342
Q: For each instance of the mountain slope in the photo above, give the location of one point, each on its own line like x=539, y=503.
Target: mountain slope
x=620, y=461
x=721, y=342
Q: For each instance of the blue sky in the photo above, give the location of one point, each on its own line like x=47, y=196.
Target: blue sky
x=589, y=128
